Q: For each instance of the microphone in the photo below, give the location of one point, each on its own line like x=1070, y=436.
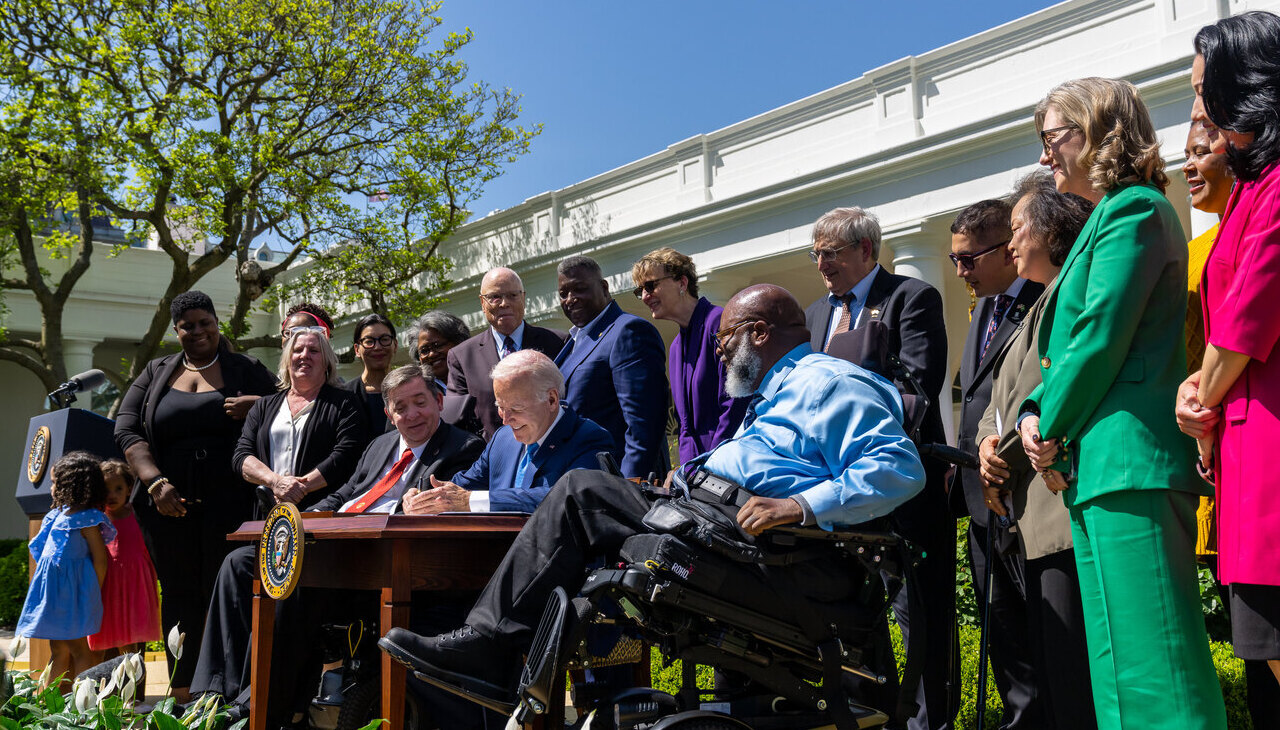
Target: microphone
x=88, y=380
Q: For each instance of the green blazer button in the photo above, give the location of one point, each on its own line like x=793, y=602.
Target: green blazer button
x=1045, y=362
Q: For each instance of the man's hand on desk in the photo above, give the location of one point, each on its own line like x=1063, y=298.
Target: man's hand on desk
x=442, y=497
x=761, y=513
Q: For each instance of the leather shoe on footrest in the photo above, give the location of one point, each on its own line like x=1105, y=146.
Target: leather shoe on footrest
x=462, y=656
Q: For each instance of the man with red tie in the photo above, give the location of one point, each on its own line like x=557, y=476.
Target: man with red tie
x=420, y=447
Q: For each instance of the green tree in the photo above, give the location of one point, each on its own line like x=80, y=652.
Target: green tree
x=250, y=121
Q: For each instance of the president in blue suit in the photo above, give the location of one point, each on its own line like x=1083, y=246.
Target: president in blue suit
x=614, y=367
x=539, y=441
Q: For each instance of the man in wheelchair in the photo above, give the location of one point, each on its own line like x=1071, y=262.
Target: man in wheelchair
x=822, y=444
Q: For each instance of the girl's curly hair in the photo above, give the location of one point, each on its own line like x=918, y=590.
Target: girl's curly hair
x=1120, y=140
x=78, y=482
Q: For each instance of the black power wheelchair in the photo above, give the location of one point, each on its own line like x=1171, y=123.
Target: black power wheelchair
x=794, y=611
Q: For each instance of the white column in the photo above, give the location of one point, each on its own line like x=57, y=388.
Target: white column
x=921, y=254
x=77, y=354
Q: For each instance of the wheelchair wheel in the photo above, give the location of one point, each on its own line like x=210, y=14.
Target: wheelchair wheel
x=357, y=705
x=698, y=720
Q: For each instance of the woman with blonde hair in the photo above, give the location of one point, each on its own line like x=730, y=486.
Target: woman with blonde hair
x=304, y=441
x=1111, y=353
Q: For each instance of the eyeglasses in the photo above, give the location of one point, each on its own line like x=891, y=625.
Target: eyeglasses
x=818, y=255
x=969, y=260
x=498, y=297
x=384, y=341
x=1046, y=140
x=295, y=331
x=649, y=286
x=432, y=348
x=727, y=332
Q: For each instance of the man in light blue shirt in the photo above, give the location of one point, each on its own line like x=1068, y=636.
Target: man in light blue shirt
x=822, y=443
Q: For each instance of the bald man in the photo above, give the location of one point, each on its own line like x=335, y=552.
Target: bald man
x=827, y=434
x=502, y=301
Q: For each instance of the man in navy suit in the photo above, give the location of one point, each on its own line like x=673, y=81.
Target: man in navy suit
x=502, y=300
x=539, y=441
x=980, y=236
x=614, y=367
x=846, y=246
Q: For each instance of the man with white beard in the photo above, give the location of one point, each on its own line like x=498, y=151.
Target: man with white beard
x=821, y=444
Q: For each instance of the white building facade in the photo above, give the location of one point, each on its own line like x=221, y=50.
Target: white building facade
x=914, y=141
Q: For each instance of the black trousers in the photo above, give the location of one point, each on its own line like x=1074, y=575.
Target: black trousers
x=225, y=659
x=587, y=515
x=1039, y=656
x=224, y=663
x=187, y=552
x=1008, y=637
x=926, y=522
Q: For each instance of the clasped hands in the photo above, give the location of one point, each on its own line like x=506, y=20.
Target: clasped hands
x=1195, y=420
x=441, y=497
x=289, y=488
x=994, y=470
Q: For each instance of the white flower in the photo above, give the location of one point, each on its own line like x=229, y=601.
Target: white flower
x=174, y=642
x=133, y=666
x=17, y=646
x=84, y=695
x=117, y=679
x=129, y=689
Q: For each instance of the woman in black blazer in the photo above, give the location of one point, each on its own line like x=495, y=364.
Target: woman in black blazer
x=178, y=426
x=305, y=441
x=374, y=340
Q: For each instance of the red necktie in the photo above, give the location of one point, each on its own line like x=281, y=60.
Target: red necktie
x=385, y=483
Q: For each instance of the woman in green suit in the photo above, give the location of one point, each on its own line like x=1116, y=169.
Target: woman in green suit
x=1111, y=354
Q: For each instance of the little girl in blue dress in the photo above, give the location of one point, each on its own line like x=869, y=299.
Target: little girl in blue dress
x=64, y=601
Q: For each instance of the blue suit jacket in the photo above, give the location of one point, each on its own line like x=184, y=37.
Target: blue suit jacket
x=572, y=444
x=615, y=375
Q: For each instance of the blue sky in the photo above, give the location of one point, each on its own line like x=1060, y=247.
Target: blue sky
x=613, y=81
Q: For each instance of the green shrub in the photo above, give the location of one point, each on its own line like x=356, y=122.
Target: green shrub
x=13, y=580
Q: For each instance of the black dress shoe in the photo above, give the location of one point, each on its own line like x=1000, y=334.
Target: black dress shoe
x=460, y=655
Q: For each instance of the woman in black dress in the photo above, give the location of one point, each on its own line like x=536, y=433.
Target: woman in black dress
x=178, y=426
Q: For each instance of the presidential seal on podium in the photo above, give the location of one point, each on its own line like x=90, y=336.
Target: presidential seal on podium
x=280, y=551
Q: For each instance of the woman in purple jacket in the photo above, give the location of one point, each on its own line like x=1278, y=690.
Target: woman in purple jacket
x=667, y=282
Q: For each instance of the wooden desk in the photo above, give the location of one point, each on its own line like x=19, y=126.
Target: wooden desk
x=392, y=554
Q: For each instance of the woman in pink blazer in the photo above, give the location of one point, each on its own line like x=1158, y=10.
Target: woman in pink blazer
x=1232, y=405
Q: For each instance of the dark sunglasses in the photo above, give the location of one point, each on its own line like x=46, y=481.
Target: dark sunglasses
x=970, y=259
x=649, y=286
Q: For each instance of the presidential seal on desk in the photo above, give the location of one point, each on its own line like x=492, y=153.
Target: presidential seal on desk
x=280, y=551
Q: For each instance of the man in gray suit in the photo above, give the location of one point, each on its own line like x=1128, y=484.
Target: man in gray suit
x=980, y=251
x=502, y=300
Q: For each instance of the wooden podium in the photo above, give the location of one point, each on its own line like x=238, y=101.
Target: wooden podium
x=392, y=554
